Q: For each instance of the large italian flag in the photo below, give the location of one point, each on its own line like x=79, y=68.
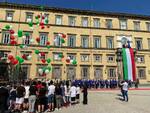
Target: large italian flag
x=129, y=72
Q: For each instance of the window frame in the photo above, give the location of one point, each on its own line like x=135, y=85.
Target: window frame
x=61, y=19
x=137, y=25
x=12, y=12
x=107, y=39
x=3, y=39
x=141, y=42
x=82, y=21
x=144, y=70
x=113, y=73
x=74, y=20
x=100, y=57
x=94, y=41
x=87, y=55
x=56, y=53
x=125, y=26
x=110, y=61
x=148, y=26
x=73, y=36
x=108, y=25
x=27, y=14
x=82, y=41
x=43, y=33
x=96, y=22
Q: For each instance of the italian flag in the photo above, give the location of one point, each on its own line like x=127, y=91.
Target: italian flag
x=129, y=72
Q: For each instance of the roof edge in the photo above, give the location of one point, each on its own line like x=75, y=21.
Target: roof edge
x=74, y=11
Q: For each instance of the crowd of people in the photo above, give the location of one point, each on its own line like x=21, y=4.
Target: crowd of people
x=40, y=96
x=32, y=96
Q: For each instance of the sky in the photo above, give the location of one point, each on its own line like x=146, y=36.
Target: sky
x=141, y=7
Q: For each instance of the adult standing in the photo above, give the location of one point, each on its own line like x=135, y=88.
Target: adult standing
x=26, y=97
x=85, y=94
x=73, y=92
x=67, y=93
x=20, y=97
x=58, y=93
x=125, y=91
x=32, y=97
x=3, y=98
x=51, y=91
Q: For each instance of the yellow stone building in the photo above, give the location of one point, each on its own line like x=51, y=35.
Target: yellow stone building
x=92, y=38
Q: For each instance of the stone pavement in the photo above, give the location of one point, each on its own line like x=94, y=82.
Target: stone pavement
x=109, y=102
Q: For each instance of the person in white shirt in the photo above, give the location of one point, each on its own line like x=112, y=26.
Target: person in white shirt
x=26, y=97
x=78, y=94
x=125, y=91
x=73, y=92
x=67, y=93
x=51, y=91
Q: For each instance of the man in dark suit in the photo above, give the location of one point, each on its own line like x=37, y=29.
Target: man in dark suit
x=3, y=98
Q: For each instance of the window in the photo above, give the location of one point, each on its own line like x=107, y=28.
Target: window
x=141, y=73
x=98, y=73
x=9, y=15
x=71, y=20
x=25, y=72
x=44, y=56
x=58, y=20
x=56, y=72
x=71, y=56
x=123, y=24
x=110, y=58
x=40, y=67
x=85, y=21
x=140, y=59
x=148, y=43
x=85, y=72
x=29, y=17
x=56, y=57
x=97, y=42
x=148, y=26
x=110, y=42
x=46, y=16
x=27, y=53
x=138, y=43
x=43, y=38
x=57, y=40
x=85, y=41
x=111, y=73
x=97, y=58
x=6, y=38
x=27, y=38
x=84, y=58
x=136, y=25
x=96, y=22
x=109, y=23
x=71, y=73
x=71, y=40
x=3, y=55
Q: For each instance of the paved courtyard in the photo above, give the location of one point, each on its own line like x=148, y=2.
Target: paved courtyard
x=109, y=102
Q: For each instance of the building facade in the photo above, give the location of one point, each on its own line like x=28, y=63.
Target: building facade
x=92, y=38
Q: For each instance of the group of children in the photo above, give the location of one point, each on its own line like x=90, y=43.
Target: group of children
x=44, y=96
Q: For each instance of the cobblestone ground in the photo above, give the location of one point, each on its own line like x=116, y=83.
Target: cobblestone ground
x=109, y=102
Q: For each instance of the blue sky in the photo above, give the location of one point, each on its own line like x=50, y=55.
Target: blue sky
x=122, y=6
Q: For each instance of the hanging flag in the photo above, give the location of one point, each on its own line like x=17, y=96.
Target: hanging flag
x=128, y=64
